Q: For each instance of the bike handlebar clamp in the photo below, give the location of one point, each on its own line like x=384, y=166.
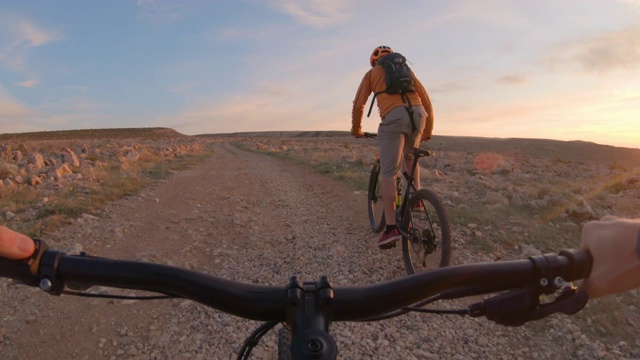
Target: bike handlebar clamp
x=308, y=315
x=26, y=270
x=48, y=278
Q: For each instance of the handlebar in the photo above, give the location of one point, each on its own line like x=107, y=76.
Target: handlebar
x=51, y=270
x=311, y=306
x=368, y=135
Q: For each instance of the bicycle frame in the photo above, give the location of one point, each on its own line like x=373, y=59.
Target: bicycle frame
x=430, y=234
x=309, y=308
x=411, y=187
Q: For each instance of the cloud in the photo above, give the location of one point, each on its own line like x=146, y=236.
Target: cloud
x=616, y=50
x=164, y=11
x=632, y=3
x=28, y=83
x=24, y=33
x=496, y=13
x=261, y=32
x=234, y=113
x=317, y=13
x=451, y=86
x=34, y=35
x=512, y=80
x=20, y=35
x=10, y=108
x=268, y=107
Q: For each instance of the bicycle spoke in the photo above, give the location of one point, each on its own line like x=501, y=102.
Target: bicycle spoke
x=427, y=245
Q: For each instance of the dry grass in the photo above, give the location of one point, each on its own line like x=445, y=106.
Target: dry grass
x=335, y=164
x=502, y=230
x=44, y=210
x=93, y=134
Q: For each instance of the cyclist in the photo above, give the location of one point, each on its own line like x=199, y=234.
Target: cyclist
x=396, y=133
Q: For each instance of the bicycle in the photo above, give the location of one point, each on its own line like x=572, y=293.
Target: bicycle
x=420, y=215
x=307, y=309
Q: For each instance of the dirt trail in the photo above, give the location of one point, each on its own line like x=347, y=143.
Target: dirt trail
x=238, y=215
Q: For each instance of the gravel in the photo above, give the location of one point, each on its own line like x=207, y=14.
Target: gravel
x=252, y=218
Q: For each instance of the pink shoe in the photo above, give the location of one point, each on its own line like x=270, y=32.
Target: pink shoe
x=388, y=238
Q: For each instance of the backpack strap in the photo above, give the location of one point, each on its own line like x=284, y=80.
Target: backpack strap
x=373, y=100
x=407, y=105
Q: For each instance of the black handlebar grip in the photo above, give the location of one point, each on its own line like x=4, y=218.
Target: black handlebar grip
x=581, y=261
x=25, y=270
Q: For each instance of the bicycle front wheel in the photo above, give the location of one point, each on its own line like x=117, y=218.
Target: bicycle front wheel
x=374, y=200
x=426, y=243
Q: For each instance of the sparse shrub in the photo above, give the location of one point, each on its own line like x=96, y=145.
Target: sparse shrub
x=615, y=166
x=95, y=185
x=7, y=170
x=22, y=148
x=616, y=187
x=558, y=160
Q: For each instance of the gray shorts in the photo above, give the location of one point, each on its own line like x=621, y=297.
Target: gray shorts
x=395, y=138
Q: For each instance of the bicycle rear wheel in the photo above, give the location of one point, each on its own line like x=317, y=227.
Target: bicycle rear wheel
x=374, y=200
x=426, y=243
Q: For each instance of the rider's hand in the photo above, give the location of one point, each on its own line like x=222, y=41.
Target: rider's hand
x=613, y=243
x=14, y=245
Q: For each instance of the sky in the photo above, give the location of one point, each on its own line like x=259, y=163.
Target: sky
x=553, y=69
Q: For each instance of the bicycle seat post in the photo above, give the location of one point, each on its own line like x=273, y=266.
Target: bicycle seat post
x=308, y=313
x=417, y=153
x=408, y=174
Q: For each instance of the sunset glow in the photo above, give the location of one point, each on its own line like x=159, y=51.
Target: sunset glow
x=497, y=68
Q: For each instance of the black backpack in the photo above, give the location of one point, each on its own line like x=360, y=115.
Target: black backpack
x=397, y=76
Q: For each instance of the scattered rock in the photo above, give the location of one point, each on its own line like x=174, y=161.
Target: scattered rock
x=581, y=211
x=70, y=158
x=34, y=180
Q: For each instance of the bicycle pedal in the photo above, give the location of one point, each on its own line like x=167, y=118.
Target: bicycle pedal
x=388, y=246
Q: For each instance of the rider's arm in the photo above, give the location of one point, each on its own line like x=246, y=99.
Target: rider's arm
x=426, y=102
x=364, y=90
x=14, y=245
x=613, y=243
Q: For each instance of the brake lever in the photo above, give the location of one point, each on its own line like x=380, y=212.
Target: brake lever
x=569, y=302
x=519, y=306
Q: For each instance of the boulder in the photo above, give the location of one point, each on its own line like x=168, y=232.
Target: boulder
x=70, y=158
x=61, y=171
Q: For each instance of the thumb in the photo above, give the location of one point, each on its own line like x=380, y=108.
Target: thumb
x=14, y=245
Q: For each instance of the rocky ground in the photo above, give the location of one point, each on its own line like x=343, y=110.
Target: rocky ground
x=255, y=218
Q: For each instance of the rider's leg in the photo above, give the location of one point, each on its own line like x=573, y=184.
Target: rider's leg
x=413, y=140
x=391, y=135
x=388, y=193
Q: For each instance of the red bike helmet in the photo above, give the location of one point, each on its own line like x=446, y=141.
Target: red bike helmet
x=379, y=52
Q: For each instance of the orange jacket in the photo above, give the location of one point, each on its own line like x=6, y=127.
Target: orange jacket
x=373, y=82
